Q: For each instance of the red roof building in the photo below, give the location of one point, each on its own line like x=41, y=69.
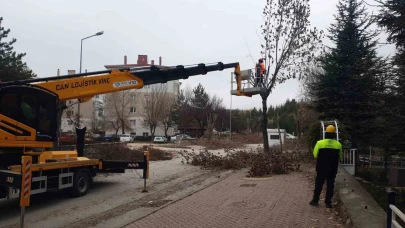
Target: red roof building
x=141, y=62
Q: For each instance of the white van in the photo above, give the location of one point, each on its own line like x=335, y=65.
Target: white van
x=274, y=137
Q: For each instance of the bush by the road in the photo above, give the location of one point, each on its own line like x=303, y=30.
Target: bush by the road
x=258, y=162
x=238, y=140
x=121, y=152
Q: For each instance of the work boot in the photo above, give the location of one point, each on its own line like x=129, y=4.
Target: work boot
x=314, y=203
x=328, y=205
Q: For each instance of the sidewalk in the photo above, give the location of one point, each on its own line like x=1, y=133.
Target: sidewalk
x=278, y=201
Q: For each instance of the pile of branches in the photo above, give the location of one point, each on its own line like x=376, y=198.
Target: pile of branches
x=120, y=152
x=258, y=162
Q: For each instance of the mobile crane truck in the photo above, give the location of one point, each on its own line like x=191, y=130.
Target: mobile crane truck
x=34, y=135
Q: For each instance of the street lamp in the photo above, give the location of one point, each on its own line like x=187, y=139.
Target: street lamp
x=81, y=54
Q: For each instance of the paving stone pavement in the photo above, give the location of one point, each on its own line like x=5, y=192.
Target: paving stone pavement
x=278, y=201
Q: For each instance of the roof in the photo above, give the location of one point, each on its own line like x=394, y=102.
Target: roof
x=120, y=66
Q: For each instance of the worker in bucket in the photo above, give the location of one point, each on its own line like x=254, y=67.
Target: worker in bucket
x=260, y=71
x=327, y=152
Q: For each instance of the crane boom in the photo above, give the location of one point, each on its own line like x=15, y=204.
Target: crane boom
x=84, y=86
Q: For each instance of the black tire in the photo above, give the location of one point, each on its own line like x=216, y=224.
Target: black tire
x=81, y=184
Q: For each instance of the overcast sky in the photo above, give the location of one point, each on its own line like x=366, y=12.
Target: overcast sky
x=181, y=31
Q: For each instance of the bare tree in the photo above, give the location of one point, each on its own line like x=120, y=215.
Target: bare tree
x=117, y=110
x=73, y=117
x=153, y=107
x=215, y=105
x=289, y=45
x=166, y=118
x=98, y=125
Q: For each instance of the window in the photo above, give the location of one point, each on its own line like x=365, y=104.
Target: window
x=133, y=122
x=145, y=134
x=97, y=96
x=70, y=122
x=274, y=137
x=132, y=109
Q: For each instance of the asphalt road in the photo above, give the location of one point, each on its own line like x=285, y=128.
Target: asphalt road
x=114, y=200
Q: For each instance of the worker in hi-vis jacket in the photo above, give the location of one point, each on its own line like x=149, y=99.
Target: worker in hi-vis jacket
x=327, y=152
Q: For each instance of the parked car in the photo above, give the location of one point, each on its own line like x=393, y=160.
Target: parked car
x=111, y=138
x=126, y=138
x=290, y=136
x=70, y=139
x=160, y=139
x=97, y=137
x=67, y=139
x=173, y=139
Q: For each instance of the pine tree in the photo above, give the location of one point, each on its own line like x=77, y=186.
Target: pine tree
x=350, y=81
x=199, y=104
x=391, y=18
x=11, y=65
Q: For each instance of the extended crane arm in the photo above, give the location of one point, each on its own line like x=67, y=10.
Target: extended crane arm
x=84, y=86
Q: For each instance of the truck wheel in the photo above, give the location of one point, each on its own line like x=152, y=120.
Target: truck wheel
x=81, y=184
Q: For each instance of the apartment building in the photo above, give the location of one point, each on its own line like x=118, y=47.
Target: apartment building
x=136, y=110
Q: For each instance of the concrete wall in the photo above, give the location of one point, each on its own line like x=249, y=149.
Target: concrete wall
x=359, y=207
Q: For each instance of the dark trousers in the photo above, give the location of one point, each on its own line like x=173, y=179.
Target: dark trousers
x=259, y=81
x=321, y=176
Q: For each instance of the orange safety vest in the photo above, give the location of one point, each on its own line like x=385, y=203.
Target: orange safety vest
x=260, y=68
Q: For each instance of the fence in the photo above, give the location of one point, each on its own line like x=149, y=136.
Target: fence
x=348, y=160
x=393, y=211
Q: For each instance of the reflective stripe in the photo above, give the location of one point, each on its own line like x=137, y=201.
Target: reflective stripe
x=327, y=144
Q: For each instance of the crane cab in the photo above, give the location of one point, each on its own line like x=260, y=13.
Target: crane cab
x=28, y=117
x=247, y=84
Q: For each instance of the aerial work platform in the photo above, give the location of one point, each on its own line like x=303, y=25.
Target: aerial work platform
x=248, y=84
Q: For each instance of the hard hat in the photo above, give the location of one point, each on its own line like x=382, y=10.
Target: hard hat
x=330, y=129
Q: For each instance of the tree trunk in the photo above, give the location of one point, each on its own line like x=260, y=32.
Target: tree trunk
x=166, y=127
x=123, y=126
x=264, y=124
x=151, y=132
x=279, y=133
x=59, y=124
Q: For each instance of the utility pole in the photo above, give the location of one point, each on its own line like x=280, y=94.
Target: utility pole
x=81, y=54
x=230, y=111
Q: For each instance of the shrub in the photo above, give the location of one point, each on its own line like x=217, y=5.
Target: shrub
x=223, y=142
x=215, y=143
x=259, y=163
x=121, y=152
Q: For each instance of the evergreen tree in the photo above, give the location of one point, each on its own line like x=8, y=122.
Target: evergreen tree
x=391, y=18
x=199, y=106
x=11, y=65
x=352, y=72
